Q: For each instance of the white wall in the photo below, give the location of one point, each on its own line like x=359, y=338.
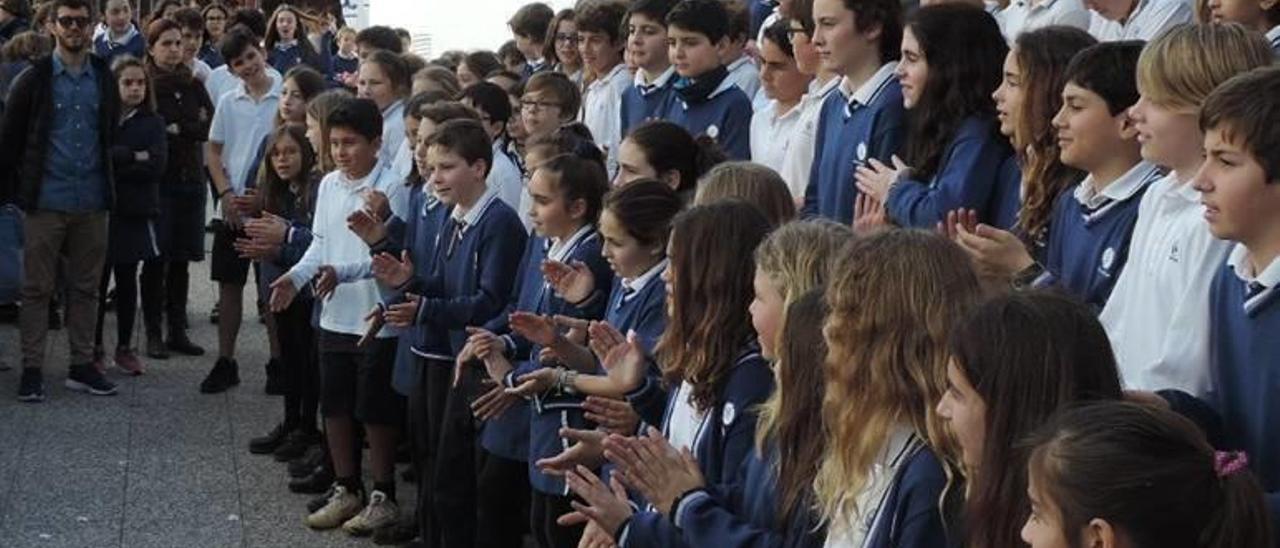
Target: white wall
x=454, y=24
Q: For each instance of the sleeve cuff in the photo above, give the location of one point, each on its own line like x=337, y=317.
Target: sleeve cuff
x=684, y=505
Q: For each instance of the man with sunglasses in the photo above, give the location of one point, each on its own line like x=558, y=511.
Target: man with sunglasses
x=55, y=143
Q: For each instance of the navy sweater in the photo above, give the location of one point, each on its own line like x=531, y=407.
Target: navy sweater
x=724, y=441
x=725, y=117
x=108, y=50
x=968, y=176
x=847, y=137
x=640, y=105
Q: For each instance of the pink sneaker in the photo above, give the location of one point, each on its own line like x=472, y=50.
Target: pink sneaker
x=127, y=359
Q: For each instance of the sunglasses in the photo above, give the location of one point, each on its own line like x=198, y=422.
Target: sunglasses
x=68, y=22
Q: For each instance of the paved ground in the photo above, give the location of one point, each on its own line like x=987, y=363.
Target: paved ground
x=159, y=465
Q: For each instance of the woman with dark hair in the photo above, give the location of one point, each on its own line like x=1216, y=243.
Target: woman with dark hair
x=187, y=111
x=562, y=45
x=287, y=43
x=1015, y=361
x=950, y=65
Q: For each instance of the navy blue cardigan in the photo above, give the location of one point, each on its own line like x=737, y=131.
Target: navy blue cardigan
x=138, y=182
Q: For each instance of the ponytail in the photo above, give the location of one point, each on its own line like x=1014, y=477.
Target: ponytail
x=668, y=147
x=1236, y=519
x=1151, y=474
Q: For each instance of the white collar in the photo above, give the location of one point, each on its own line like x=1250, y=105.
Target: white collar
x=286, y=44
x=821, y=90
x=472, y=216
x=736, y=64
x=639, y=282
x=242, y=90
x=868, y=91
x=1120, y=189
x=357, y=185
x=1184, y=189
x=601, y=82
x=774, y=115
x=660, y=81
x=391, y=109
x=560, y=249
x=128, y=35
x=1239, y=263
x=1273, y=35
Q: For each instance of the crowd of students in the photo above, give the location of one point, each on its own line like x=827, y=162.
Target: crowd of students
x=691, y=273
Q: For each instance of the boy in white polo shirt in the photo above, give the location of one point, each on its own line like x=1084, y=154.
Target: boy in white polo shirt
x=241, y=120
x=1158, y=315
x=601, y=41
x=1112, y=20
x=356, y=380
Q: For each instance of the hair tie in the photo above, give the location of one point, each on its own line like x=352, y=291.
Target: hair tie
x=1226, y=463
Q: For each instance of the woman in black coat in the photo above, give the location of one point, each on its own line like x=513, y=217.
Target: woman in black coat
x=187, y=111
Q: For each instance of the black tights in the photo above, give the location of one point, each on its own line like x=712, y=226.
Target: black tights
x=126, y=275
x=298, y=356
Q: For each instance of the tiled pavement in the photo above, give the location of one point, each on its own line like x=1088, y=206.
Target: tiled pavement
x=159, y=465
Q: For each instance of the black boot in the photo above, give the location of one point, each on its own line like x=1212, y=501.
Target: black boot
x=224, y=375
x=178, y=342
x=270, y=441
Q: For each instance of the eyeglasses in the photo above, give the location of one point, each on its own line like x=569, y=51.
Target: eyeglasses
x=69, y=21
x=538, y=105
x=567, y=38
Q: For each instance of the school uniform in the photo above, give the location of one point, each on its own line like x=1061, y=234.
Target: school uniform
x=721, y=438
x=855, y=125
x=772, y=133
x=296, y=335
x=899, y=505
x=286, y=55
x=211, y=56
x=798, y=163
x=712, y=105
x=1149, y=19
x=744, y=512
x=418, y=232
x=132, y=233
x=1246, y=316
x=529, y=432
x=340, y=66
x=132, y=43
x=507, y=181
x=475, y=266
x=967, y=177
x=1089, y=234
x=640, y=305
x=1027, y=15
x=641, y=101
x=354, y=381
x=1156, y=317
x=393, y=136
x=532, y=67
x=601, y=112
x=1006, y=203
x=221, y=81
x=746, y=75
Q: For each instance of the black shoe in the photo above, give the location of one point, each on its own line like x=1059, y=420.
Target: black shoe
x=319, y=480
x=178, y=342
x=224, y=375
x=396, y=534
x=86, y=378
x=296, y=444
x=156, y=349
x=317, y=503
x=275, y=378
x=302, y=467
x=31, y=387
x=268, y=443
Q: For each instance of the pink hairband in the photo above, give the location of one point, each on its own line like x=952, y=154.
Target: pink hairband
x=1226, y=463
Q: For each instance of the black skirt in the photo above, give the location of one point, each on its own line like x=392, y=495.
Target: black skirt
x=180, y=227
x=131, y=240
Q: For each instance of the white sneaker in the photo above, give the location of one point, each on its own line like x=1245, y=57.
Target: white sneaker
x=341, y=506
x=381, y=512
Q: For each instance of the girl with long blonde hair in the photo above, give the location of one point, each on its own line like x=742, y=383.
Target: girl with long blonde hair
x=894, y=298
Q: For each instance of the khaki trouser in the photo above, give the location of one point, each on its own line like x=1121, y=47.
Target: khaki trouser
x=82, y=238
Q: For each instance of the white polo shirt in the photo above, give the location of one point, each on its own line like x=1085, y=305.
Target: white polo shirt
x=798, y=163
x=1158, y=315
x=392, y=131
x=1026, y=15
x=744, y=74
x=1149, y=19
x=220, y=81
x=507, y=182
x=240, y=123
x=602, y=112
x=772, y=133
x=334, y=244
